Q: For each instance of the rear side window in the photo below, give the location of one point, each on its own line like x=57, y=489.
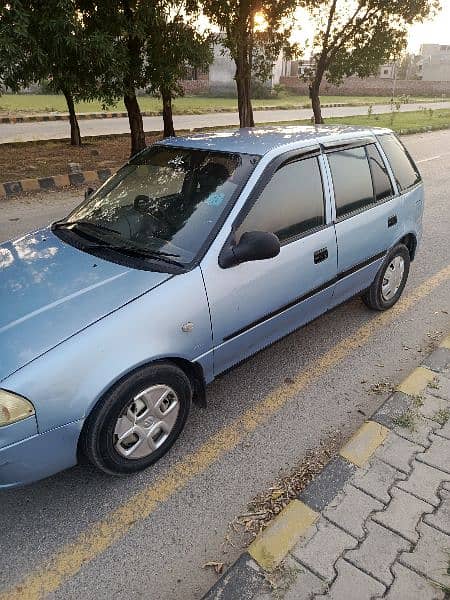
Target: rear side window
x=352, y=180
x=380, y=177
x=405, y=171
x=291, y=204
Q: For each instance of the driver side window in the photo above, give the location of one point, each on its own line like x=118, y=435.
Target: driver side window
x=291, y=204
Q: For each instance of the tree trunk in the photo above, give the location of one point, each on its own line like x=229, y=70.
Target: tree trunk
x=245, y=109
x=136, y=123
x=314, y=89
x=243, y=79
x=75, y=136
x=169, y=130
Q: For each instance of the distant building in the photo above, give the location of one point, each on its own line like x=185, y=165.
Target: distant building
x=219, y=77
x=300, y=68
x=387, y=71
x=434, y=62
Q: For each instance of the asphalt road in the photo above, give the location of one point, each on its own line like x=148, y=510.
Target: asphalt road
x=83, y=535
x=20, y=132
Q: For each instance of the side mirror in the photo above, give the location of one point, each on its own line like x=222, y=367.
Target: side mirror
x=253, y=245
x=88, y=192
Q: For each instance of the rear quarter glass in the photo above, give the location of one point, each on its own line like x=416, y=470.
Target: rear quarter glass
x=405, y=170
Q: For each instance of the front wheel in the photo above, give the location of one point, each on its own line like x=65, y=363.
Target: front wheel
x=390, y=280
x=138, y=420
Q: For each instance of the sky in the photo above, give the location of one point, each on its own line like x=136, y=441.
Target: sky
x=433, y=31
x=436, y=31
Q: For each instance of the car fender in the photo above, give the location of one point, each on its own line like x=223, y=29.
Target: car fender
x=172, y=320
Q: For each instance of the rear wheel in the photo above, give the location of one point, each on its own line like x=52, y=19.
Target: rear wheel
x=390, y=281
x=139, y=420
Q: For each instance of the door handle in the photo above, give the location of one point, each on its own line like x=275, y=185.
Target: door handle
x=392, y=221
x=320, y=255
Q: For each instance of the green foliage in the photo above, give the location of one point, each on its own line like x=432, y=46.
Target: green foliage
x=253, y=32
x=260, y=90
x=406, y=420
x=45, y=41
x=356, y=37
x=177, y=46
x=249, y=41
x=441, y=416
x=280, y=90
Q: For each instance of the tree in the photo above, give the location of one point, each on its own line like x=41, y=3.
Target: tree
x=356, y=37
x=177, y=47
x=255, y=31
x=44, y=40
x=408, y=67
x=139, y=30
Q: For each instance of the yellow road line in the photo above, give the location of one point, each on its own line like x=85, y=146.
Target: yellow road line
x=99, y=537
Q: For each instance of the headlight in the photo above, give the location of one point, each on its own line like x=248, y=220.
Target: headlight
x=13, y=408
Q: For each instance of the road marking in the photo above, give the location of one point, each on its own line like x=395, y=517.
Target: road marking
x=68, y=561
x=422, y=160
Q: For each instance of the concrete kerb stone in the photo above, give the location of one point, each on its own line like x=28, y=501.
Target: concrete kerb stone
x=13, y=188
x=146, y=113
x=325, y=487
x=269, y=549
x=439, y=360
x=243, y=580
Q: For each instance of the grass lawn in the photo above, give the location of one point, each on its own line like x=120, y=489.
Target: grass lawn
x=402, y=122
x=13, y=104
x=40, y=159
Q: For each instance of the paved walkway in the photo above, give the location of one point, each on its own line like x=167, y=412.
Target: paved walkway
x=19, y=132
x=386, y=533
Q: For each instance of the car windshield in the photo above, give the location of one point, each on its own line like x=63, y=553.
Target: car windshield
x=165, y=201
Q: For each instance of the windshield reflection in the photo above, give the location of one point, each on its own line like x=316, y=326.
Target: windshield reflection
x=166, y=200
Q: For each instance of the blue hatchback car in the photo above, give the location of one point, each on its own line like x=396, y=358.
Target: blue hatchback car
x=196, y=254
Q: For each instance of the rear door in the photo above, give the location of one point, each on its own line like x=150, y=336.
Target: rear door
x=366, y=214
x=409, y=183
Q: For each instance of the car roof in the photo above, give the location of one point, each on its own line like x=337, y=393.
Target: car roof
x=261, y=140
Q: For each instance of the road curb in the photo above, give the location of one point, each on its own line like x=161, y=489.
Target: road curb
x=147, y=113
x=270, y=547
x=12, y=188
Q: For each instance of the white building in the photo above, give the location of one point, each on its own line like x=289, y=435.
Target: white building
x=222, y=70
x=434, y=62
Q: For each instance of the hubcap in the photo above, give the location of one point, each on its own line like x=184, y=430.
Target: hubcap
x=146, y=422
x=392, y=278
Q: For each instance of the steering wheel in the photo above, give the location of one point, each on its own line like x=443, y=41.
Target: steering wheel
x=150, y=223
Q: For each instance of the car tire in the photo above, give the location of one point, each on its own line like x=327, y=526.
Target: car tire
x=138, y=420
x=390, y=280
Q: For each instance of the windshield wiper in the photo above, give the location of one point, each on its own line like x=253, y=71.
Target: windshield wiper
x=120, y=247
x=129, y=249
x=60, y=224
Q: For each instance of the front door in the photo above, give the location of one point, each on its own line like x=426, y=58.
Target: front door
x=255, y=303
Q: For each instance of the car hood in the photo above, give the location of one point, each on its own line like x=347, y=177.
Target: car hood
x=49, y=291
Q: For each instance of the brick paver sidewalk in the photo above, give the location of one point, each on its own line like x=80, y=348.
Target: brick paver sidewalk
x=387, y=533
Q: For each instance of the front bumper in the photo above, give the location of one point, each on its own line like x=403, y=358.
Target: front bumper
x=39, y=456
